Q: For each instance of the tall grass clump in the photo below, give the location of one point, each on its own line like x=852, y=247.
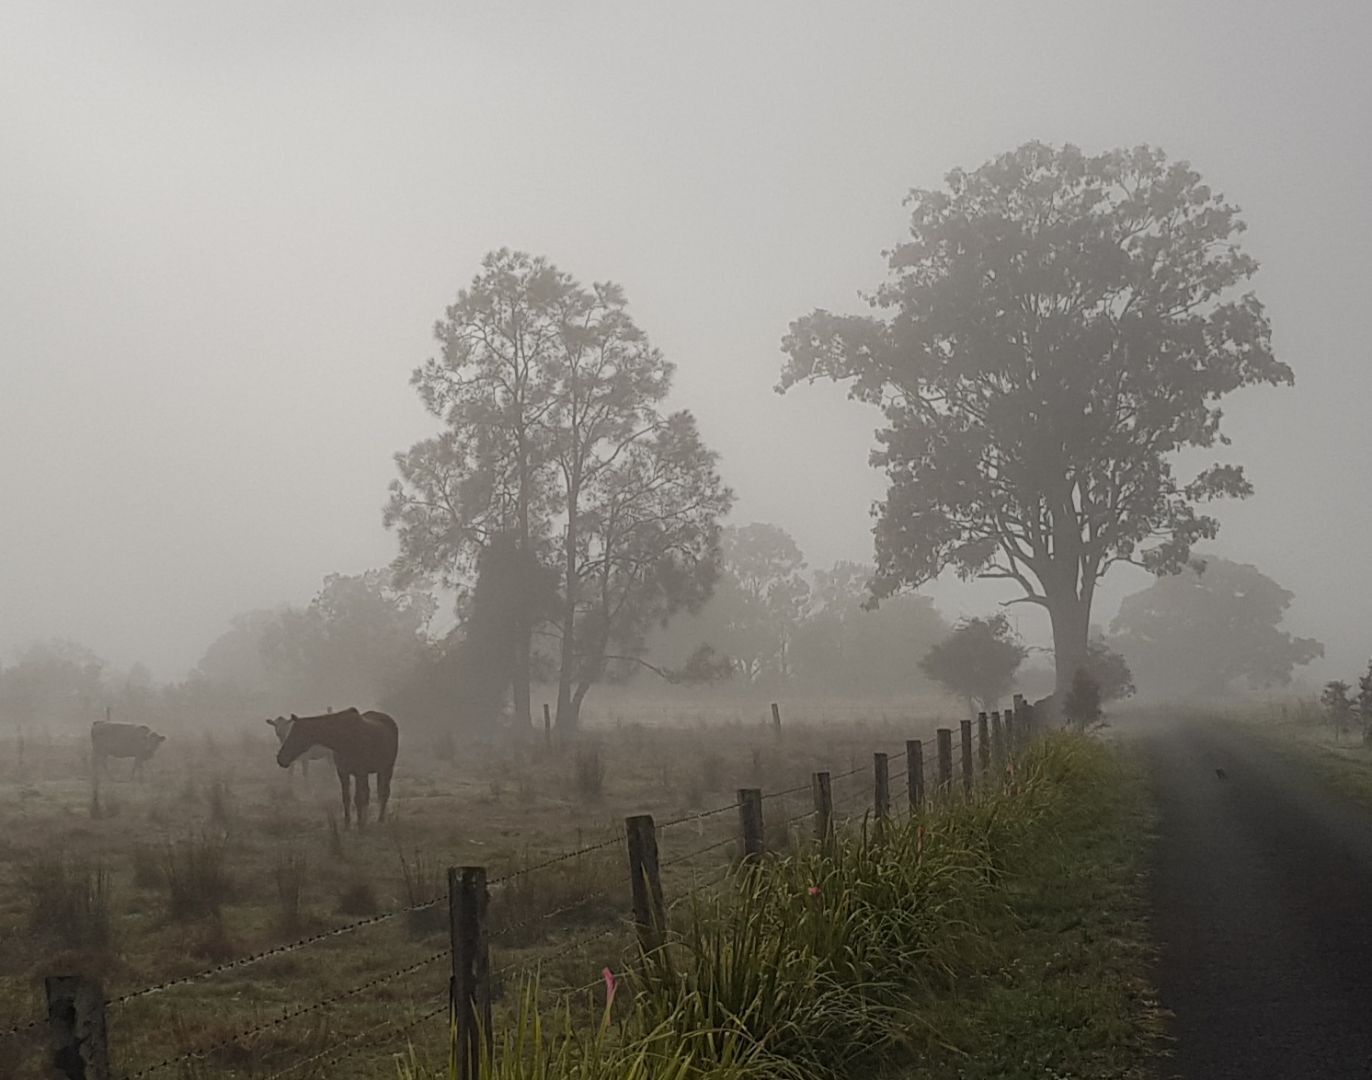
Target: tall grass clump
x=588, y=773
x=68, y=899
x=289, y=874
x=424, y=883
x=195, y=871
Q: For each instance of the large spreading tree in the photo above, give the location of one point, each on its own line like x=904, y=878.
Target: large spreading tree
x=1198, y=632
x=1058, y=326
x=552, y=403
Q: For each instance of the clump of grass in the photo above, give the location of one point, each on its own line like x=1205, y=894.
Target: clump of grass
x=577, y=892
x=424, y=884
x=290, y=875
x=336, y=851
x=195, y=871
x=358, y=898
x=68, y=898
x=219, y=798
x=589, y=771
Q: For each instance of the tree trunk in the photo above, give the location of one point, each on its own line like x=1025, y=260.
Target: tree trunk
x=566, y=708
x=521, y=695
x=1071, y=618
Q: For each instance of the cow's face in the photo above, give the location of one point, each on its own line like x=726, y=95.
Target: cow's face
x=282, y=726
x=154, y=741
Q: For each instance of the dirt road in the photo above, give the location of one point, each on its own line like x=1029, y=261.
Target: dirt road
x=1262, y=900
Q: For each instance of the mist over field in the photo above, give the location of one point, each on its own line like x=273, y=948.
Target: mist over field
x=228, y=232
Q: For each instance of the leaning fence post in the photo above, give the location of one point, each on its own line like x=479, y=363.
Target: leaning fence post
x=750, y=822
x=469, y=1002
x=881, y=786
x=776, y=718
x=914, y=773
x=983, y=741
x=76, y=1019
x=997, y=740
x=965, y=729
x=645, y=882
x=823, y=793
x=945, y=760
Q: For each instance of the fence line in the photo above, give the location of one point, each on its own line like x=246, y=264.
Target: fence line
x=1001, y=747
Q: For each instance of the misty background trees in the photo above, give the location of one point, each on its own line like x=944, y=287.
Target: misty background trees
x=1056, y=328
x=1059, y=326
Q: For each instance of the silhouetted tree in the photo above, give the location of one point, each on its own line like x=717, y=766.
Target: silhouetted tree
x=1109, y=671
x=486, y=475
x=1081, y=706
x=1338, y=706
x=551, y=398
x=1365, y=704
x=1196, y=632
x=977, y=661
x=1060, y=326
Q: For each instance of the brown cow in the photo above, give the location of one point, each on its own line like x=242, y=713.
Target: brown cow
x=136, y=741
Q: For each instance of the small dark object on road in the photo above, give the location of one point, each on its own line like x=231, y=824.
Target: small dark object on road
x=1221, y=773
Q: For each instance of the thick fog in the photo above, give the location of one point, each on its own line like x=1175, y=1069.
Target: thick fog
x=226, y=231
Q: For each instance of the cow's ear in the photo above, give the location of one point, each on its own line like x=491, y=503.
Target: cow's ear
x=294, y=717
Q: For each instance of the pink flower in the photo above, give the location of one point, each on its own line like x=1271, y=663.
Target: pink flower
x=814, y=890
x=611, y=984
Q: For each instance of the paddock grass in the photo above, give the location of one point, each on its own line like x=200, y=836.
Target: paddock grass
x=217, y=854
x=1000, y=936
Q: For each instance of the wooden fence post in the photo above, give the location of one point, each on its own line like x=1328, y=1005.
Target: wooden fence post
x=547, y=726
x=469, y=1005
x=997, y=741
x=823, y=792
x=965, y=729
x=750, y=822
x=945, y=760
x=776, y=719
x=914, y=773
x=76, y=1019
x=984, y=741
x=645, y=882
x=1011, y=734
x=881, y=790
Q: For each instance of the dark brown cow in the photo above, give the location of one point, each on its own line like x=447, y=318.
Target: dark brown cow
x=136, y=741
x=362, y=743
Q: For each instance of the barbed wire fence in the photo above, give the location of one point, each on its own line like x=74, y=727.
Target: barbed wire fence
x=77, y=1014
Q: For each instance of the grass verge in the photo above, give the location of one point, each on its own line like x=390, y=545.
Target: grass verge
x=1000, y=936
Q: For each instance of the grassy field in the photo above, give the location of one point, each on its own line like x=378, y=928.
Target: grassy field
x=1300, y=729
x=217, y=854
x=1000, y=936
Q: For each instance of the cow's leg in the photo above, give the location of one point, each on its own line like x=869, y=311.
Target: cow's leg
x=137, y=768
x=362, y=796
x=383, y=793
x=343, y=781
x=305, y=767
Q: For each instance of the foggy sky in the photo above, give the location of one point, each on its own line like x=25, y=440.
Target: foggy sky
x=227, y=229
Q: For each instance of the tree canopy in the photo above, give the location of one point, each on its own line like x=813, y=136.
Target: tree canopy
x=977, y=661
x=1058, y=325
x=1198, y=632
x=551, y=399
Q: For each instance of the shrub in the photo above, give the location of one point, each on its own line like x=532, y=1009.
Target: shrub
x=290, y=874
x=424, y=883
x=358, y=898
x=196, y=876
x=589, y=774
x=69, y=899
